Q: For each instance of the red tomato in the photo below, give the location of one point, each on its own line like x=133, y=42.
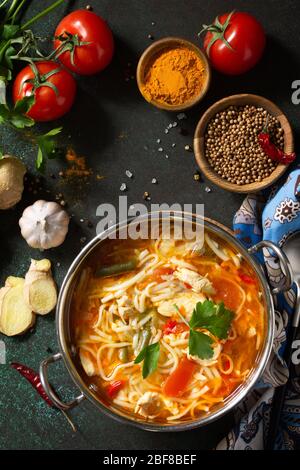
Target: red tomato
x=236, y=44
x=88, y=27
x=227, y=291
x=48, y=104
x=177, y=382
x=159, y=272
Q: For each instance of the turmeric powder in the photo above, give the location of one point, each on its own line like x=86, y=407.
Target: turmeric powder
x=174, y=76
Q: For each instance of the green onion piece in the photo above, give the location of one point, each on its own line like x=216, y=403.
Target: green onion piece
x=114, y=269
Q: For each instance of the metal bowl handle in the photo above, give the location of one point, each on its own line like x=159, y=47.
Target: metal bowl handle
x=49, y=390
x=284, y=264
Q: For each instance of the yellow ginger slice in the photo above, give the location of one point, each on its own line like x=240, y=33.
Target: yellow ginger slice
x=16, y=317
x=40, y=290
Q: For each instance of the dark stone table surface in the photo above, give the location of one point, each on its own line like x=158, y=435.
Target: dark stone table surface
x=115, y=129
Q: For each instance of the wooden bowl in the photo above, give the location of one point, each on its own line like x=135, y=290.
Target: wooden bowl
x=153, y=50
x=241, y=100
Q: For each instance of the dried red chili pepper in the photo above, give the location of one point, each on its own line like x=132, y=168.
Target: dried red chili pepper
x=114, y=387
x=34, y=379
x=272, y=151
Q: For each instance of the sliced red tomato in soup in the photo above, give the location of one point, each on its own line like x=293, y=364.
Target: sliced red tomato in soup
x=178, y=381
x=227, y=291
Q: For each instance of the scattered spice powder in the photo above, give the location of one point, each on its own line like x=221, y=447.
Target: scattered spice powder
x=77, y=165
x=174, y=76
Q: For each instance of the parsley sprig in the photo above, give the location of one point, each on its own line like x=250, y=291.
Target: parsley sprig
x=215, y=318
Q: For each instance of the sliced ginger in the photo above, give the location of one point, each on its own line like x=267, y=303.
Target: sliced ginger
x=39, y=289
x=19, y=298
x=16, y=316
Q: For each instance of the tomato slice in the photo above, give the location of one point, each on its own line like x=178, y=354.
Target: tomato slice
x=178, y=381
x=227, y=291
x=159, y=272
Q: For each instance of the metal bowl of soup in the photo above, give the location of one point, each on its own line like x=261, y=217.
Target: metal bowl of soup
x=106, y=317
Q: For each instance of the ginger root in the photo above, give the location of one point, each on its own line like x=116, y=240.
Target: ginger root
x=40, y=291
x=12, y=172
x=16, y=316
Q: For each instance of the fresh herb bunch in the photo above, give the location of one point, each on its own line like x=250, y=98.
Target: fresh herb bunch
x=19, y=44
x=215, y=318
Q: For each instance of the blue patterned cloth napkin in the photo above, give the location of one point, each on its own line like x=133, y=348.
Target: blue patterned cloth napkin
x=270, y=217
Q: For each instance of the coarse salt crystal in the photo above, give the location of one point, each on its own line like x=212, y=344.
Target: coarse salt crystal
x=129, y=173
x=160, y=149
x=123, y=187
x=154, y=181
x=207, y=189
x=181, y=116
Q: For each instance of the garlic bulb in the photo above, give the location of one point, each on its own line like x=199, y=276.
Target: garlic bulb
x=12, y=172
x=44, y=225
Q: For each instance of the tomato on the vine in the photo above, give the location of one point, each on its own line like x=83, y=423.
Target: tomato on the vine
x=234, y=43
x=53, y=88
x=84, y=42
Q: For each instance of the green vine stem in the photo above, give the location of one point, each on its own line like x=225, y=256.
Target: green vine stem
x=41, y=14
x=15, y=14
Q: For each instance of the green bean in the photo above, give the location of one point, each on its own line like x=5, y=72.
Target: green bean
x=123, y=354
x=115, y=269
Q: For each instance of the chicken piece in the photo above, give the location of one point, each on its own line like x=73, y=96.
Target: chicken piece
x=86, y=363
x=251, y=332
x=187, y=300
x=149, y=404
x=198, y=283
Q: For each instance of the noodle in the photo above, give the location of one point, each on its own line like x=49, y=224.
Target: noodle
x=118, y=316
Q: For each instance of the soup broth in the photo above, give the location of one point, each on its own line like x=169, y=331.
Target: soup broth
x=167, y=331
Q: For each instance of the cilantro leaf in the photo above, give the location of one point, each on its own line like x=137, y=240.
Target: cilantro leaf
x=20, y=120
x=215, y=318
x=16, y=116
x=4, y=113
x=46, y=146
x=149, y=355
x=200, y=345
